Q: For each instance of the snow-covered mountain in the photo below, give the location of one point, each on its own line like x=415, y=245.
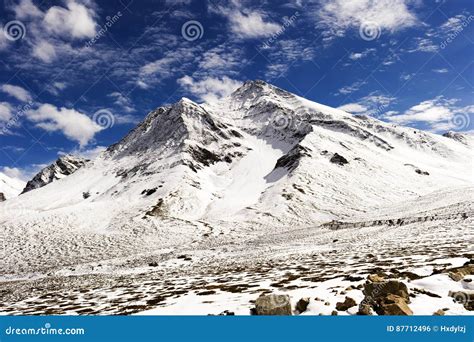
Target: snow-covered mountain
x=62, y=167
x=10, y=187
x=260, y=159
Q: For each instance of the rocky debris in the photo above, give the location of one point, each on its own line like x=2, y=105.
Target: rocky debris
x=2, y=197
x=185, y=257
x=347, y=304
x=153, y=264
x=364, y=310
x=458, y=273
x=439, y=312
x=291, y=160
x=148, y=192
x=466, y=298
x=62, y=167
x=425, y=292
x=273, y=305
x=302, y=304
x=375, y=278
x=227, y=313
x=394, y=305
x=338, y=159
x=456, y=136
x=421, y=172
x=334, y=313
x=387, y=297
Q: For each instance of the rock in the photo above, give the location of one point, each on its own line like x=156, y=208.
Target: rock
x=227, y=313
x=302, y=304
x=440, y=312
x=458, y=273
x=394, y=305
x=334, y=313
x=350, y=288
x=153, y=264
x=375, y=278
x=327, y=303
x=273, y=305
x=2, y=197
x=463, y=297
x=364, y=310
x=347, y=304
x=379, y=290
x=338, y=159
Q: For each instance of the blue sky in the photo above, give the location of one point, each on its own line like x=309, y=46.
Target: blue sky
x=77, y=75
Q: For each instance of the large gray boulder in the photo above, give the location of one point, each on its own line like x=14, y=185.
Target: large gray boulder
x=274, y=305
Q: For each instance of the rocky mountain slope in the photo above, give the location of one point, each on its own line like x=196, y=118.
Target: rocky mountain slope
x=62, y=167
x=260, y=174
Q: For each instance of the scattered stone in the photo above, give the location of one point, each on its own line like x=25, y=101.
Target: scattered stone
x=428, y=293
x=273, y=305
x=379, y=290
x=458, y=273
x=421, y=172
x=364, y=310
x=463, y=297
x=440, y=312
x=394, y=305
x=334, y=313
x=350, y=288
x=227, y=313
x=302, y=304
x=2, y=197
x=338, y=159
x=467, y=280
x=347, y=304
x=153, y=264
x=375, y=278
x=327, y=303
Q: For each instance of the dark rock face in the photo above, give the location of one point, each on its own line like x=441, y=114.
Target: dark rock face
x=347, y=304
x=275, y=305
x=2, y=197
x=64, y=166
x=302, y=304
x=338, y=159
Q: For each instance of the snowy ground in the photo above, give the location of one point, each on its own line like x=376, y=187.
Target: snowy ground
x=219, y=272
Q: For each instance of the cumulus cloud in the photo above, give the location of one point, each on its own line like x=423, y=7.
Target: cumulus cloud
x=374, y=104
x=17, y=92
x=353, y=108
x=339, y=15
x=210, y=89
x=247, y=23
x=44, y=51
x=438, y=114
x=5, y=111
x=76, y=21
x=73, y=124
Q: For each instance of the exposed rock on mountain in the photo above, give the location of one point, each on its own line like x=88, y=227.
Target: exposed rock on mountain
x=62, y=167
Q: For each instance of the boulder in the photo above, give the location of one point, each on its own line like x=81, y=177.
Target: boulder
x=2, y=197
x=347, y=304
x=379, y=290
x=338, y=159
x=440, y=312
x=466, y=298
x=458, y=273
x=302, y=304
x=375, y=278
x=274, y=305
x=394, y=305
x=364, y=310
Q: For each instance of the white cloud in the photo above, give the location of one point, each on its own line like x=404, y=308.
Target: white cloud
x=44, y=51
x=359, y=55
x=25, y=9
x=351, y=88
x=14, y=172
x=17, y=92
x=420, y=44
x=441, y=71
x=210, y=89
x=353, y=108
x=73, y=124
x=90, y=153
x=247, y=23
x=5, y=111
x=122, y=101
x=76, y=21
x=438, y=114
x=391, y=15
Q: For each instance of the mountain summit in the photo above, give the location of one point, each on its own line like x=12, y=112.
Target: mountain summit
x=260, y=158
